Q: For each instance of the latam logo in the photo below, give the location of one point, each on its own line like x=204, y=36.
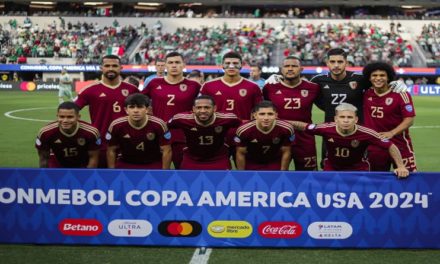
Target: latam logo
x=230, y=229
x=80, y=227
x=180, y=228
x=330, y=230
x=129, y=228
x=280, y=229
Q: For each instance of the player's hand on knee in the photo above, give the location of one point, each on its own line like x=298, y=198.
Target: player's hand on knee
x=401, y=172
x=274, y=79
x=398, y=86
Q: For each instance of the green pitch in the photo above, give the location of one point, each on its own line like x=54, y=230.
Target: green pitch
x=17, y=138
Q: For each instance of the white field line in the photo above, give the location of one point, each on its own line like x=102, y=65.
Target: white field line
x=10, y=114
x=201, y=256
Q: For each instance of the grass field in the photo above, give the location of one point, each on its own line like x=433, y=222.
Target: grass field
x=17, y=137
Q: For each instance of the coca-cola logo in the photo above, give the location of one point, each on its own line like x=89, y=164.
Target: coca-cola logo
x=80, y=227
x=280, y=229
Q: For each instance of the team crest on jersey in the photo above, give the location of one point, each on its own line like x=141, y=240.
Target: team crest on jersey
x=355, y=143
x=183, y=87
x=276, y=140
x=124, y=92
x=218, y=129
x=242, y=92
x=81, y=141
x=151, y=136
x=353, y=85
x=304, y=93
x=389, y=101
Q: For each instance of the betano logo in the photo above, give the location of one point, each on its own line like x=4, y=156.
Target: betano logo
x=330, y=230
x=129, y=228
x=28, y=86
x=230, y=229
x=179, y=228
x=80, y=227
x=280, y=229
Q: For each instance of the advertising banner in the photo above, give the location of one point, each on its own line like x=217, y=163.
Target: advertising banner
x=219, y=208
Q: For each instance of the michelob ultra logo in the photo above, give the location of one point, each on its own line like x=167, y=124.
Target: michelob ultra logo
x=130, y=228
x=230, y=229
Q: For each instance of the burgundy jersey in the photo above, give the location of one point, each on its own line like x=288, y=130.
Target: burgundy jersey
x=385, y=112
x=169, y=99
x=105, y=103
x=345, y=152
x=205, y=143
x=139, y=145
x=70, y=150
x=238, y=98
x=294, y=103
x=262, y=146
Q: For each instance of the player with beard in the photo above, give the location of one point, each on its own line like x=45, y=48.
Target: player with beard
x=392, y=114
x=106, y=99
x=347, y=142
x=264, y=143
x=68, y=142
x=294, y=98
x=141, y=139
x=339, y=86
x=205, y=131
x=171, y=95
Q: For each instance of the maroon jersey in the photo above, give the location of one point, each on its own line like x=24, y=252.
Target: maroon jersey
x=70, y=150
x=169, y=99
x=385, y=112
x=205, y=143
x=105, y=103
x=264, y=147
x=295, y=103
x=238, y=98
x=139, y=145
x=346, y=152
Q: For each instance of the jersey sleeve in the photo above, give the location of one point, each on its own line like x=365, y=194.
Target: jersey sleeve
x=41, y=142
x=94, y=141
x=82, y=99
x=112, y=136
x=407, y=105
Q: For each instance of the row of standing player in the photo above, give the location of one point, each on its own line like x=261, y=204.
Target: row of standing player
x=293, y=97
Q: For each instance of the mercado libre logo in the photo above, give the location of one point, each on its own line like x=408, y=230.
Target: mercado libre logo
x=28, y=86
x=230, y=229
x=178, y=228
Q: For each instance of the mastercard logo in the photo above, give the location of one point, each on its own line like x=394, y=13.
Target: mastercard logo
x=180, y=228
x=28, y=86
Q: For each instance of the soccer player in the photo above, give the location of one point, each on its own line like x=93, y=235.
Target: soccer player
x=339, y=86
x=106, y=99
x=264, y=143
x=346, y=142
x=142, y=140
x=68, y=142
x=65, y=87
x=255, y=76
x=294, y=98
x=197, y=76
x=205, y=131
x=160, y=72
x=231, y=92
x=391, y=114
x=171, y=95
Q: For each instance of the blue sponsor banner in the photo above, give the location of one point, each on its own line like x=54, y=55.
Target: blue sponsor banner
x=219, y=208
x=424, y=89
